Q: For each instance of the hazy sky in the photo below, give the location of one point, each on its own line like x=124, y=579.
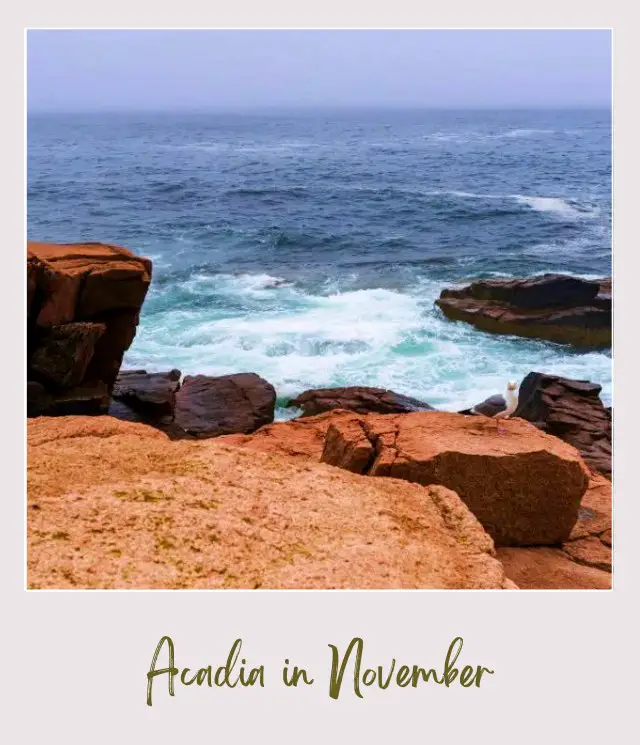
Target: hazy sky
x=135, y=70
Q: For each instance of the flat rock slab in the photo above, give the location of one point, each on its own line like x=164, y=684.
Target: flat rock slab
x=231, y=404
x=360, y=399
x=533, y=293
x=113, y=504
x=79, y=281
x=554, y=307
x=524, y=486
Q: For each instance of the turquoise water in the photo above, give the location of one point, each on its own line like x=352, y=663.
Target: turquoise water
x=309, y=247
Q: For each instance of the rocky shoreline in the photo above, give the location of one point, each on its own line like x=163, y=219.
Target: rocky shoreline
x=366, y=488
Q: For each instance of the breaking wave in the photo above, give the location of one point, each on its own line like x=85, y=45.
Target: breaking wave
x=299, y=340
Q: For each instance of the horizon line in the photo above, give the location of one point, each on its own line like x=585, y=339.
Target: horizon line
x=295, y=107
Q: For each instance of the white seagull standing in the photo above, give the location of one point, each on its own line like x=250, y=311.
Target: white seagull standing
x=511, y=401
x=499, y=407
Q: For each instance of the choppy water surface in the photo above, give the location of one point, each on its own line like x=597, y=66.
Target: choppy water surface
x=309, y=247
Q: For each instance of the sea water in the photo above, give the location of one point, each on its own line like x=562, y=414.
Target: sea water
x=309, y=246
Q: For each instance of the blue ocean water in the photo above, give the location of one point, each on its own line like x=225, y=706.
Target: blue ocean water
x=309, y=246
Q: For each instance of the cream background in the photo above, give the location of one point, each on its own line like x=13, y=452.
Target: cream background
x=75, y=662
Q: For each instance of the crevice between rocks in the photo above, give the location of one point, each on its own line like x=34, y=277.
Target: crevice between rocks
x=379, y=446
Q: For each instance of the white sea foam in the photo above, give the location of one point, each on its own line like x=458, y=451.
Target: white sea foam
x=562, y=270
x=554, y=205
x=159, y=260
x=471, y=195
x=524, y=133
x=307, y=343
x=474, y=136
x=234, y=284
x=380, y=337
x=462, y=194
x=547, y=204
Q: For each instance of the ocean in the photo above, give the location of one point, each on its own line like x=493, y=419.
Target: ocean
x=309, y=246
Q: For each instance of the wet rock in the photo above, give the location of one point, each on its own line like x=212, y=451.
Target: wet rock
x=571, y=410
x=150, y=394
x=361, y=399
x=547, y=291
x=230, y=404
x=554, y=307
x=120, y=410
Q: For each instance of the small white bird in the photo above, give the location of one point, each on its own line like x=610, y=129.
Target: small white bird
x=511, y=400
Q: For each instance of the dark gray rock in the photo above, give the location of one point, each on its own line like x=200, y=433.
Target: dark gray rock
x=231, y=404
x=150, y=394
x=361, y=399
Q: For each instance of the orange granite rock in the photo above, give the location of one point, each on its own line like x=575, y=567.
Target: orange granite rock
x=543, y=568
x=113, y=504
x=523, y=485
x=302, y=439
x=81, y=280
x=83, y=304
x=583, y=562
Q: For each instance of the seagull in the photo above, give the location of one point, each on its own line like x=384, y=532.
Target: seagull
x=499, y=407
x=511, y=402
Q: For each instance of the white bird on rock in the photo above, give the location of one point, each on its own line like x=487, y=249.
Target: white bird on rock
x=511, y=401
x=499, y=407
